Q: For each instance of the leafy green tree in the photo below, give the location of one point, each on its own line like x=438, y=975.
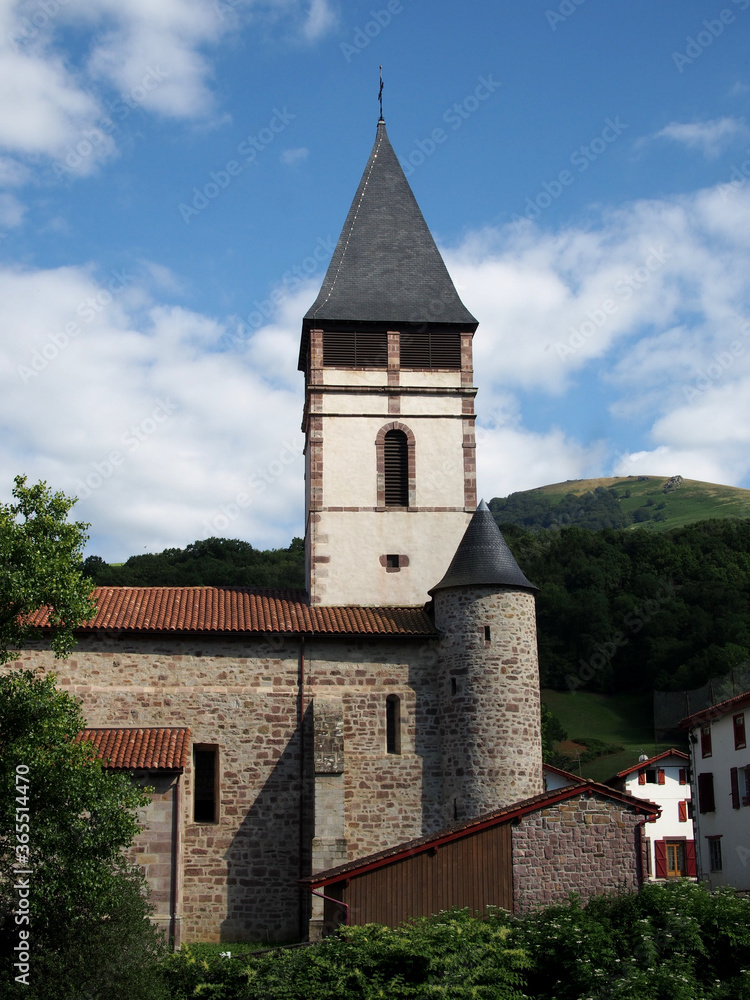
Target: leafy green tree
x=552, y=732
x=64, y=822
x=40, y=566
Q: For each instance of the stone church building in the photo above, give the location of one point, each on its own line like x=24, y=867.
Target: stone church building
x=289, y=735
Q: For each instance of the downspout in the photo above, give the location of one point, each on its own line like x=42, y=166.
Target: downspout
x=692, y=743
x=339, y=902
x=174, y=927
x=300, y=724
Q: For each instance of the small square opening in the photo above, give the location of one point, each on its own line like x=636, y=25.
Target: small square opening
x=392, y=562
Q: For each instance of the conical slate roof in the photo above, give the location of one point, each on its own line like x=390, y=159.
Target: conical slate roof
x=483, y=557
x=386, y=267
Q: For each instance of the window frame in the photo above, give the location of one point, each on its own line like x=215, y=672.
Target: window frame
x=213, y=749
x=396, y=425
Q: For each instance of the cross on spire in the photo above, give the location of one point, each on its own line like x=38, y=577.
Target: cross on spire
x=380, y=94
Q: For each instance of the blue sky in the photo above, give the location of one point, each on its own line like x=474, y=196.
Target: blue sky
x=173, y=178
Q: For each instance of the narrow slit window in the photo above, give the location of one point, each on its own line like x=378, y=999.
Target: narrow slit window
x=487, y=635
x=206, y=773
x=393, y=724
x=454, y=685
x=396, y=469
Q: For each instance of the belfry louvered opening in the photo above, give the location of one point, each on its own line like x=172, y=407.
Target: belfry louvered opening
x=355, y=349
x=396, y=468
x=431, y=349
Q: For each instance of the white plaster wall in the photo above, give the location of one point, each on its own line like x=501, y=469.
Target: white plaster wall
x=733, y=825
x=346, y=403
x=431, y=378
x=356, y=376
x=428, y=404
x=668, y=795
x=356, y=541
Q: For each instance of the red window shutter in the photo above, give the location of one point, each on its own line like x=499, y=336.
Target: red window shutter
x=706, y=792
x=690, y=865
x=682, y=809
x=734, y=782
x=641, y=777
x=660, y=857
x=683, y=776
x=660, y=777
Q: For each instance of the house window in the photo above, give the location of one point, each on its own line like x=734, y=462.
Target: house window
x=706, y=741
x=206, y=775
x=355, y=349
x=683, y=775
x=676, y=867
x=706, y=802
x=393, y=724
x=714, y=854
x=651, y=776
x=734, y=785
x=396, y=469
x=739, y=732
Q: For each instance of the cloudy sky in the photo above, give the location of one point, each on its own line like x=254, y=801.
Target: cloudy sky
x=174, y=175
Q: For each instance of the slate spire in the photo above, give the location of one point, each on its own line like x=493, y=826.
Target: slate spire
x=483, y=557
x=386, y=267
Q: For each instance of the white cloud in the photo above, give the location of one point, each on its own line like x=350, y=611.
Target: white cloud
x=319, y=21
x=649, y=302
x=291, y=156
x=710, y=137
x=127, y=404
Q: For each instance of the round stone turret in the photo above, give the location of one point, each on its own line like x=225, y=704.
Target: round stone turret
x=489, y=676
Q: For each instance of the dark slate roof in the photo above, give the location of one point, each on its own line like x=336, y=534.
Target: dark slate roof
x=483, y=557
x=386, y=267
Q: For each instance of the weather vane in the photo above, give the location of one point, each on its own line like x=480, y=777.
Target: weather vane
x=380, y=94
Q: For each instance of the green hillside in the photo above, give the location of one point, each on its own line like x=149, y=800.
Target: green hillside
x=653, y=502
x=623, y=720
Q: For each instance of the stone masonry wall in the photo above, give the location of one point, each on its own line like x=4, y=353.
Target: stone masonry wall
x=584, y=845
x=239, y=875
x=489, y=699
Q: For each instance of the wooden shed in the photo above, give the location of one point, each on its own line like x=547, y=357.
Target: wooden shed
x=584, y=838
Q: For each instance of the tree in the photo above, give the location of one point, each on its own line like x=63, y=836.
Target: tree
x=65, y=820
x=41, y=567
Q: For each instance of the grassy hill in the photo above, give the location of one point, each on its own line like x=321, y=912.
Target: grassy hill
x=623, y=720
x=657, y=503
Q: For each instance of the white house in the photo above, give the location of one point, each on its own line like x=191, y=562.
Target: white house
x=555, y=777
x=720, y=767
x=669, y=838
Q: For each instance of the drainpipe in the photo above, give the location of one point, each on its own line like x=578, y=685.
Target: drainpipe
x=338, y=902
x=174, y=925
x=300, y=725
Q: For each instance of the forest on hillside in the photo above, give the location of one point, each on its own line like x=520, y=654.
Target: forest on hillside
x=617, y=610
x=595, y=509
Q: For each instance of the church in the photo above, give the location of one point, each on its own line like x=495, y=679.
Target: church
x=312, y=753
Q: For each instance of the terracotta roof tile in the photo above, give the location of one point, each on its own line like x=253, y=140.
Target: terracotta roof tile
x=714, y=712
x=153, y=749
x=242, y=609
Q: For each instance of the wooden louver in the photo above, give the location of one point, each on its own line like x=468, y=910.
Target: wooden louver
x=431, y=349
x=396, y=469
x=355, y=349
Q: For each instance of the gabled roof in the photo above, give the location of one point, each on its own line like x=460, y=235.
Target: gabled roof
x=483, y=557
x=241, y=610
x=141, y=749
x=563, y=774
x=435, y=840
x=643, y=764
x=386, y=267
x=714, y=711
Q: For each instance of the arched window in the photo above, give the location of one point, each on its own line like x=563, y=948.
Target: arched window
x=396, y=469
x=393, y=724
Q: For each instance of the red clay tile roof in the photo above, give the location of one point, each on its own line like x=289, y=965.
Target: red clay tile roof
x=714, y=712
x=154, y=749
x=458, y=830
x=241, y=610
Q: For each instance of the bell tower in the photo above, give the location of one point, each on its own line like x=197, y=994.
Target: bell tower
x=390, y=475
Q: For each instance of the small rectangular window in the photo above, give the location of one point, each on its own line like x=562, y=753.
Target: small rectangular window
x=454, y=685
x=706, y=741
x=683, y=775
x=392, y=562
x=651, y=776
x=734, y=786
x=706, y=802
x=714, y=854
x=206, y=779
x=739, y=732
x=487, y=635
